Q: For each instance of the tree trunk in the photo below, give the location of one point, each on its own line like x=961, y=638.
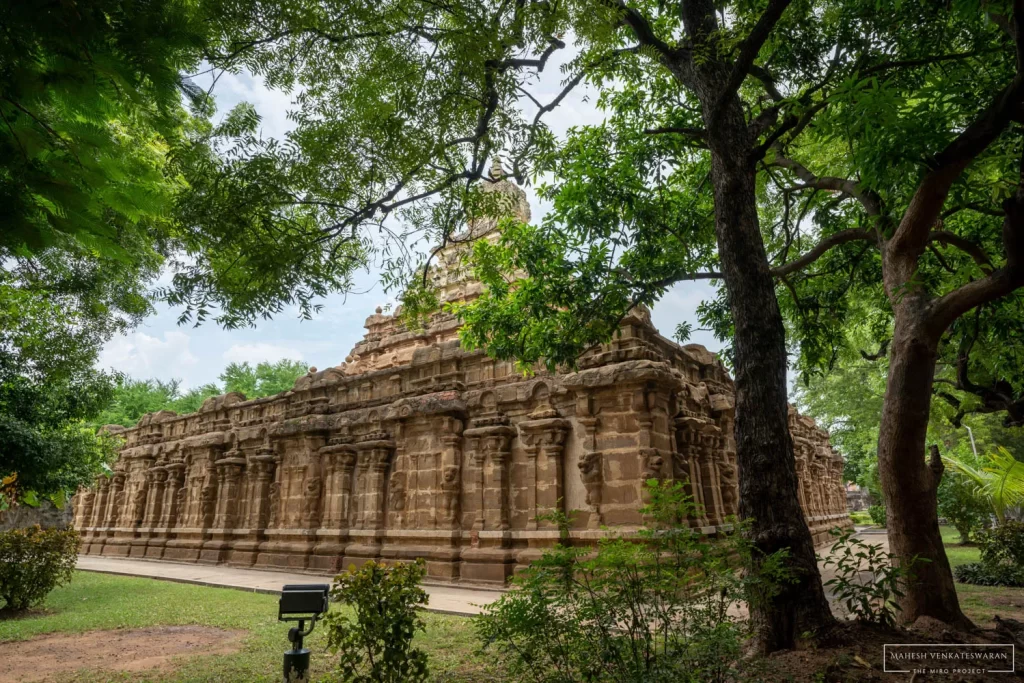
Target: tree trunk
x=909, y=484
x=764, y=446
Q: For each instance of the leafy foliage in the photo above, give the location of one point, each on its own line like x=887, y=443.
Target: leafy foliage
x=960, y=501
x=133, y=398
x=1002, y=557
x=653, y=608
x=375, y=644
x=999, y=478
x=33, y=562
x=265, y=379
x=867, y=582
x=877, y=514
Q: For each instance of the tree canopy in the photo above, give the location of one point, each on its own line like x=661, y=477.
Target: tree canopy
x=133, y=398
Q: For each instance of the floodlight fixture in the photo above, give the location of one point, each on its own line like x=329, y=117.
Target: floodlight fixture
x=301, y=603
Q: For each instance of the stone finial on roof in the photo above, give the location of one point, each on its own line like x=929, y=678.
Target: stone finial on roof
x=497, y=172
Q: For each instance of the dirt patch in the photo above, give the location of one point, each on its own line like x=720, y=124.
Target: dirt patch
x=854, y=655
x=42, y=658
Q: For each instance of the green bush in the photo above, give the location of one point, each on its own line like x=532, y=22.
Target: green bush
x=33, y=562
x=657, y=608
x=981, y=574
x=961, y=505
x=877, y=513
x=1002, y=557
x=376, y=646
x=867, y=582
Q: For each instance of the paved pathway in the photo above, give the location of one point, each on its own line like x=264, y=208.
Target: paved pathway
x=446, y=599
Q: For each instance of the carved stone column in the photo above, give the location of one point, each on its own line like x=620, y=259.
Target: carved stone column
x=157, y=477
x=99, y=511
x=338, y=458
x=85, y=507
x=707, y=446
x=451, y=480
x=173, y=499
x=688, y=463
x=492, y=438
x=229, y=476
x=543, y=437
x=264, y=464
x=375, y=450
x=115, y=500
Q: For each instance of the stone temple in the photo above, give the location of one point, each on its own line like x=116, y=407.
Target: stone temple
x=415, y=447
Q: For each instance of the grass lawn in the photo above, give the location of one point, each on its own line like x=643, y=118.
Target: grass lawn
x=981, y=603
x=99, y=601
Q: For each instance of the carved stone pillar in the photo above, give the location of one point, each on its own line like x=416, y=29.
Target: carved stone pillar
x=174, y=501
x=85, y=507
x=450, y=484
x=157, y=477
x=375, y=450
x=688, y=464
x=115, y=500
x=543, y=437
x=591, y=468
x=99, y=510
x=491, y=436
x=264, y=465
x=229, y=477
x=338, y=458
x=707, y=446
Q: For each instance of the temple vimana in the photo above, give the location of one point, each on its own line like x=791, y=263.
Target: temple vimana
x=415, y=447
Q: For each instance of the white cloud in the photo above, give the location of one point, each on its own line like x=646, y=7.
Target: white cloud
x=141, y=355
x=260, y=351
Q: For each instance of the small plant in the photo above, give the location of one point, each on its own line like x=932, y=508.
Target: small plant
x=1002, y=558
x=867, y=582
x=653, y=608
x=33, y=562
x=877, y=514
x=376, y=645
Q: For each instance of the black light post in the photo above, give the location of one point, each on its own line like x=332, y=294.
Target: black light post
x=300, y=603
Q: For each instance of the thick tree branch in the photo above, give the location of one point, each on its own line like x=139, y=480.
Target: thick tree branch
x=944, y=310
x=751, y=46
x=964, y=245
x=867, y=199
x=822, y=247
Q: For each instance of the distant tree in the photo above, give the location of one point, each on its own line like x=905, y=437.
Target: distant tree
x=265, y=379
x=133, y=398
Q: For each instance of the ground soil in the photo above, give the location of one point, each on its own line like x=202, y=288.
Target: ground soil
x=853, y=654
x=45, y=657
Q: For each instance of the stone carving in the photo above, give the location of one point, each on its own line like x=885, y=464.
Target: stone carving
x=311, y=502
x=450, y=486
x=275, y=504
x=414, y=447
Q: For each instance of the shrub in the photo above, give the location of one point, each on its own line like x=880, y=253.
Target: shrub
x=376, y=646
x=1002, y=558
x=867, y=582
x=877, y=513
x=33, y=562
x=656, y=608
x=961, y=505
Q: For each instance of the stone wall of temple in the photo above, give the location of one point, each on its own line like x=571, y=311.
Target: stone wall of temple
x=415, y=447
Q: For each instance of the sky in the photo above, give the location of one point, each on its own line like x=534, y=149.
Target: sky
x=160, y=348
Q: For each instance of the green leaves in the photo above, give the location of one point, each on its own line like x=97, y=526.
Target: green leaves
x=374, y=641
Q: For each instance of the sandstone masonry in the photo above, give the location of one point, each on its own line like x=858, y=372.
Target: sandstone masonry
x=415, y=447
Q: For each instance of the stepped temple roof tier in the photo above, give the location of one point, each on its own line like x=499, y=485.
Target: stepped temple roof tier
x=414, y=447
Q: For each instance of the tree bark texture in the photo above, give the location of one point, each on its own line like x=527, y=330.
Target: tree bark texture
x=767, y=469
x=909, y=483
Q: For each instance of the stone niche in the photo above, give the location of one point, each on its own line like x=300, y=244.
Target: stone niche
x=414, y=447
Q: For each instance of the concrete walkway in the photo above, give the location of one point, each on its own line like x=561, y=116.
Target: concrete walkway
x=444, y=599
